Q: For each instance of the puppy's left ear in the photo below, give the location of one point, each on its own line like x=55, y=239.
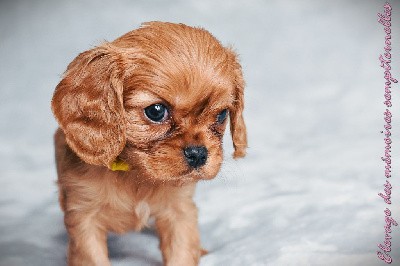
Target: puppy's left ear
x=88, y=105
x=237, y=125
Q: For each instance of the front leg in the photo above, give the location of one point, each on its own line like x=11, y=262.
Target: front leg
x=87, y=241
x=179, y=234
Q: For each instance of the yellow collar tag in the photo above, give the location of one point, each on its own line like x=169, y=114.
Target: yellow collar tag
x=119, y=165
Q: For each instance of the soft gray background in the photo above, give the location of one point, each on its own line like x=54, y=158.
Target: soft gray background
x=307, y=192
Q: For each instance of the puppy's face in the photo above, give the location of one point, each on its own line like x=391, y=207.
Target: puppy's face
x=157, y=98
x=176, y=134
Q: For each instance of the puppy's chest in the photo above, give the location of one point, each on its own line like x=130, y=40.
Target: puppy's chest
x=122, y=210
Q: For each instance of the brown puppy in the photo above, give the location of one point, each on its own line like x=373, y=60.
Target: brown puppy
x=141, y=121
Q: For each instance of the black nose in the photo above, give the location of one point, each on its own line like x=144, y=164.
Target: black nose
x=196, y=156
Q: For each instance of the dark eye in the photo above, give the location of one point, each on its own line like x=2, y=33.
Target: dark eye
x=222, y=116
x=156, y=112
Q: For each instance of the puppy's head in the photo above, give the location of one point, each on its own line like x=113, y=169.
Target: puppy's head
x=157, y=98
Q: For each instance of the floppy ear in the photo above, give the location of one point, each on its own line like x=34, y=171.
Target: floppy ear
x=238, y=127
x=88, y=105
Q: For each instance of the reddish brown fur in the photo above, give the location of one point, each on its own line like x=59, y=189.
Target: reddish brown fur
x=99, y=106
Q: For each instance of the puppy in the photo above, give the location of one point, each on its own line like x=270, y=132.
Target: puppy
x=141, y=121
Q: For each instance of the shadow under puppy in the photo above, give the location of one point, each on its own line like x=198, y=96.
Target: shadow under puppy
x=141, y=121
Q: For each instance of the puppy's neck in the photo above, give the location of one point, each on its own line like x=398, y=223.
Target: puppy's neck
x=119, y=165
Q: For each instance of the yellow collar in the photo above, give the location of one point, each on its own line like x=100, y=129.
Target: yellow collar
x=119, y=165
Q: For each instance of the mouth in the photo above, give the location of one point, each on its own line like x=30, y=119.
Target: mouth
x=192, y=174
x=188, y=176
x=180, y=173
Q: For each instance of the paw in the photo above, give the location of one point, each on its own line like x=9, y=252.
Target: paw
x=203, y=251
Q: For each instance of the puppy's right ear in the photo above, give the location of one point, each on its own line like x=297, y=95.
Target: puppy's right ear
x=88, y=105
x=238, y=127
